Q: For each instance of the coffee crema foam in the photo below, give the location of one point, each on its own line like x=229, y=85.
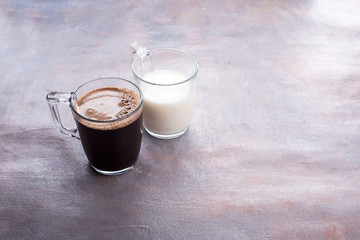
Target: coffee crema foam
x=106, y=104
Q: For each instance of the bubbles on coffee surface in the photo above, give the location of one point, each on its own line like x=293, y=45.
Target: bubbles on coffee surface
x=128, y=104
x=107, y=103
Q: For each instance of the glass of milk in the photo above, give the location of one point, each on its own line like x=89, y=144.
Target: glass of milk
x=167, y=79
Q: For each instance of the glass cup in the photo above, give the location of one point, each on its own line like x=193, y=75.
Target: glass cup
x=167, y=79
x=111, y=142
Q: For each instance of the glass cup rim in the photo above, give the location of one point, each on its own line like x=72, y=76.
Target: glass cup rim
x=111, y=120
x=169, y=50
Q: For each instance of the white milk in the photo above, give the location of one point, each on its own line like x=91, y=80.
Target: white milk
x=167, y=109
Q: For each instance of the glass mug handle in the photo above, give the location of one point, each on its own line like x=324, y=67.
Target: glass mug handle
x=53, y=98
x=139, y=50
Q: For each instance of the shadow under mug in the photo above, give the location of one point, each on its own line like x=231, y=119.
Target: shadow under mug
x=111, y=146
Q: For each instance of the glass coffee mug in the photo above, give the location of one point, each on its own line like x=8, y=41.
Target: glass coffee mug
x=108, y=116
x=167, y=79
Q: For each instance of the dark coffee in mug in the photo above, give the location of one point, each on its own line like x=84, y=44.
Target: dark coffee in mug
x=111, y=137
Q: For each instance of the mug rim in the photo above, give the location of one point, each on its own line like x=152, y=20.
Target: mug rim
x=170, y=50
x=111, y=120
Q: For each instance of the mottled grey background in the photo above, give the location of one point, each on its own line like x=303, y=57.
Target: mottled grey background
x=274, y=144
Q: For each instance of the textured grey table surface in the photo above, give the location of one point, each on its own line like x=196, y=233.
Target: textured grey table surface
x=274, y=144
